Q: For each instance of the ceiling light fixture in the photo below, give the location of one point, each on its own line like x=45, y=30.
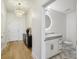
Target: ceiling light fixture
x=19, y=12
x=19, y=9
x=19, y=3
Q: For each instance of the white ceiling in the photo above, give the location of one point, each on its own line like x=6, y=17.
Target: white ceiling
x=64, y=6
x=11, y=5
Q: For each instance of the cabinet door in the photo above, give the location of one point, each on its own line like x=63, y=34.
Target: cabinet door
x=60, y=44
x=51, y=47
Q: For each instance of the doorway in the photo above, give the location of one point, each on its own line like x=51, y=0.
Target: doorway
x=15, y=23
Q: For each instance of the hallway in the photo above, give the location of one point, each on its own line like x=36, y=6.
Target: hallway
x=16, y=50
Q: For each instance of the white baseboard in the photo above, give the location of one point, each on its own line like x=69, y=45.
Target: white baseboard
x=34, y=56
x=3, y=45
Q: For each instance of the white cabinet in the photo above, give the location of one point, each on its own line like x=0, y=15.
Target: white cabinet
x=53, y=46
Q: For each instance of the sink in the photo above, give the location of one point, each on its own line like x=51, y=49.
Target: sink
x=51, y=36
x=49, y=33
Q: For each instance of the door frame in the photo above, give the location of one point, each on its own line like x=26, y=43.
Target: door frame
x=43, y=49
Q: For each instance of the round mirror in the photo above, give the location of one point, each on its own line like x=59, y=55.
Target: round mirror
x=48, y=22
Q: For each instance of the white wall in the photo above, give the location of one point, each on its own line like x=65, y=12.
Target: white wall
x=36, y=29
x=71, y=27
x=16, y=26
x=3, y=25
x=59, y=22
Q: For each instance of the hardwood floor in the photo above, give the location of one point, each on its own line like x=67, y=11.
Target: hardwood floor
x=16, y=50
